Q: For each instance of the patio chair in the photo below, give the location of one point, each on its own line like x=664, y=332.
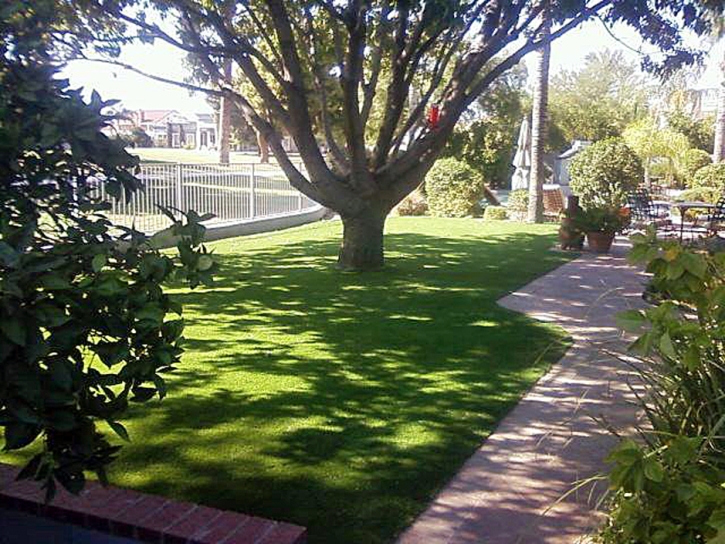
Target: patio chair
x=553, y=203
x=715, y=221
x=644, y=212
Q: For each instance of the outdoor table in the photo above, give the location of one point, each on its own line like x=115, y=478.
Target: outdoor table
x=685, y=206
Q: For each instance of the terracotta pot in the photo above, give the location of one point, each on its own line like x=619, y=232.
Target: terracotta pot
x=600, y=242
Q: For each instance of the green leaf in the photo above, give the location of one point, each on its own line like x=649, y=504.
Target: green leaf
x=98, y=262
x=653, y=470
x=61, y=375
x=631, y=320
x=667, y=348
x=8, y=256
x=14, y=330
x=119, y=429
x=54, y=282
x=18, y=435
x=205, y=263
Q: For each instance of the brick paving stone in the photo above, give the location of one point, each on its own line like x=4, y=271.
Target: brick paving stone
x=507, y=492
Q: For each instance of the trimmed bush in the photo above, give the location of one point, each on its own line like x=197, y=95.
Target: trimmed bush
x=518, y=200
x=495, y=213
x=711, y=176
x=692, y=161
x=413, y=204
x=454, y=189
x=604, y=173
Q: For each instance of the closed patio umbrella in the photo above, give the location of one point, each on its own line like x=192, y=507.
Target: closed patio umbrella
x=522, y=158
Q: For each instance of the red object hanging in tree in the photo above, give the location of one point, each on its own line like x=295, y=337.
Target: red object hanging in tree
x=433, y=117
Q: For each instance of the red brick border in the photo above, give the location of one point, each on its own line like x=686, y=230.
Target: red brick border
x=148, y=518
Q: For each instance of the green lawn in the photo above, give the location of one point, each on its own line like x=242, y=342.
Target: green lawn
x=164, y=154
x=343, y=402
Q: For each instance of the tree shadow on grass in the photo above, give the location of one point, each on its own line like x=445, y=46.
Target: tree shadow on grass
x=343, y=402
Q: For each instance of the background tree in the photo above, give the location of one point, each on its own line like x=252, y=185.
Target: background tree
x=85, y=325
x=600, y=99
x=382, y=50
x=700, y=133
x=657, y=145
x=485, y=137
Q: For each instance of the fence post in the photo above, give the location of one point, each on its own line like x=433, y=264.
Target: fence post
x=299, y=193
x=179, y=188
x=252, y=196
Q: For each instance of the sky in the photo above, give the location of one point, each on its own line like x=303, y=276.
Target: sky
x=138, y=92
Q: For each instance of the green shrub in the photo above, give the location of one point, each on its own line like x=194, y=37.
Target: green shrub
x=86, y=325
x=495, y=213
x=454, y=189
x=518, y=200
x=692, y=161
x=710, y=176
x=668, y=488
x=704, y=194
x=413, y=204
x=604, y=173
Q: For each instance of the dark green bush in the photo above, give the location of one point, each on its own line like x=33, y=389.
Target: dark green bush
x=711, y=176
x=453, y=189
x=692, y=161
x=85, y=325
x=604, y=173
x=495, y=213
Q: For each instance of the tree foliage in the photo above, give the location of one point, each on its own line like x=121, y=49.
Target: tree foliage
x=391, y=61
x=700, y=133
x=600, y=99
x=486, y=136
x=659, y=148
x=692, y=161
x=85, y=325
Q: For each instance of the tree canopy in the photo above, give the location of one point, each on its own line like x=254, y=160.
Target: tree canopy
x=600, y=99
x=347, y=60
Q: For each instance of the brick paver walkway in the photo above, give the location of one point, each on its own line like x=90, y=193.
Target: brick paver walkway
x=550, y=439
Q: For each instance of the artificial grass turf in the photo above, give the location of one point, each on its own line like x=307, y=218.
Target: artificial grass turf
x=338, y=401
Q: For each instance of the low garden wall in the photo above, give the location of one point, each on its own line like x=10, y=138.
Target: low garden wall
x=112, y=515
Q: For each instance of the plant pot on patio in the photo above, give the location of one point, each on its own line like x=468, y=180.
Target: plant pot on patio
x=600, y=242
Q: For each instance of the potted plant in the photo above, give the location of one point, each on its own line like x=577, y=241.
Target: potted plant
x=601, y=224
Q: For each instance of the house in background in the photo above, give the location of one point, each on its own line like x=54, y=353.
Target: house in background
x=171, y=128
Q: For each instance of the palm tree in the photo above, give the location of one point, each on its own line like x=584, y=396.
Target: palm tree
x=718, y=153
x=539, y=115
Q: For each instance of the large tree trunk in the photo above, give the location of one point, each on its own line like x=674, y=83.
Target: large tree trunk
x=538, y=128
x=718, y=154
x=225, y=119
x=362, y=241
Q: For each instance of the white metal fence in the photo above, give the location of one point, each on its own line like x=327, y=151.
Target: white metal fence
x=233, y=193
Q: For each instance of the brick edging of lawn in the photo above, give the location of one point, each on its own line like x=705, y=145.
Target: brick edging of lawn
x=148, y=518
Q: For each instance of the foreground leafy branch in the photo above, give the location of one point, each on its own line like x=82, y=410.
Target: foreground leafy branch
x=85, y=325
x=670, y=486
